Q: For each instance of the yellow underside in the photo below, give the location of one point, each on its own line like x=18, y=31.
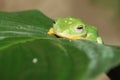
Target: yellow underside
x=51, y=32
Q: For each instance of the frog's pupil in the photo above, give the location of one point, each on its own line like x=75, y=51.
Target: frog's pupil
x=80, y=27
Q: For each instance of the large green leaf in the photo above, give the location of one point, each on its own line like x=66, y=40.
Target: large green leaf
x=22, y=26
x=27, y=52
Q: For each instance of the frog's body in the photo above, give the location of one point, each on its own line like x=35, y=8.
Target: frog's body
x=73, y=28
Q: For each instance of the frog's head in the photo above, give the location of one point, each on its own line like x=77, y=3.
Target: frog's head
x=69, y=27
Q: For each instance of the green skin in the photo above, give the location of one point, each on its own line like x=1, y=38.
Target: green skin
x=69, y=27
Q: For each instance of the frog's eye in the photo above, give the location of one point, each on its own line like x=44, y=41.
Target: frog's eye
x=80, y=27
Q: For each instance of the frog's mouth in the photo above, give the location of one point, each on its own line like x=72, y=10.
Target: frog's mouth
x=74, y=37
x=58, y=36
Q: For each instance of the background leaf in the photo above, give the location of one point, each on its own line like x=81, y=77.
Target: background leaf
x=28, y=53
x=18, y=27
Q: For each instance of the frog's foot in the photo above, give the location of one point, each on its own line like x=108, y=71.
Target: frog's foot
x=51, y=31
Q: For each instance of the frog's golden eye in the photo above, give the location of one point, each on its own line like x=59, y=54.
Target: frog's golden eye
x=80, y=27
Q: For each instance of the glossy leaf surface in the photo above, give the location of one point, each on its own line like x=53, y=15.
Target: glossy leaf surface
x=27, y=52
